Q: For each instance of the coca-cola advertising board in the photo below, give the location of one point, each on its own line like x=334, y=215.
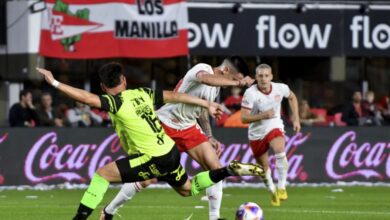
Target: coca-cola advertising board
x=53, y=156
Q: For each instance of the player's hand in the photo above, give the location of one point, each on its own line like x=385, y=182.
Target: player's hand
x=246, y=81
x=216, y=145
x=296, y=126
x=47, y=74
x=215, y=110
x=269, y=114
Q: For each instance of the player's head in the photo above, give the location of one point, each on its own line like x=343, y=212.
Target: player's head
x=112, y=76
x=264, y=74
x=235, y=66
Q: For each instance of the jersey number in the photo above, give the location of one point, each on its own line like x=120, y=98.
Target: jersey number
x=154, y=125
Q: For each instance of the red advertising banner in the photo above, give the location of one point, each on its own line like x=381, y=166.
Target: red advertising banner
x=81, y=29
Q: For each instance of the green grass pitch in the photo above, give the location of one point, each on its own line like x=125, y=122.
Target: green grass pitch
x=304, y=203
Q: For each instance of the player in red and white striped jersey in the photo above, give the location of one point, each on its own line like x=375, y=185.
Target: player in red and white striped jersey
x=261, y=107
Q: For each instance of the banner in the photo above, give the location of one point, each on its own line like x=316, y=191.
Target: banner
x=53, y=156
x=282, y=31
x=80, y=29
x=367, y=34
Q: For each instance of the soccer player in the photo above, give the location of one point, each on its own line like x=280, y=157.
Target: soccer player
x=180, y=122
x=261, y=107
x=151, y=152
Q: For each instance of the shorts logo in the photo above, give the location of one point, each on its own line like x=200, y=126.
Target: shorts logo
x=155, y=171
x=144, y=175
x=179, y=172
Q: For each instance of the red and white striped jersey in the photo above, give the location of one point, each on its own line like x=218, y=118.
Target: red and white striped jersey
x=258, y=102
x=182, y=116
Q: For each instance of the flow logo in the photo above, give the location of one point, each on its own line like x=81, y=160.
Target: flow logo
x=291, y=35
x=217, y=35
x=378, y=35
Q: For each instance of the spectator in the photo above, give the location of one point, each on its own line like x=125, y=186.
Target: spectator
x=82, y=116
x=233, y=102
x=370, y=111
x=307, y=117
x=384, y=108
x=23, y=113
x=105, y=117
x=49, y=116
x=352, y=113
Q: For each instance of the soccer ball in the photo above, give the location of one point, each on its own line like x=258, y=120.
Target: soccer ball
x=249, y=211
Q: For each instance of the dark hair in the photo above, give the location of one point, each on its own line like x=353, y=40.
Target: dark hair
x=239, y=64
x=24, y=92
x=45, y=94
x=110, y=73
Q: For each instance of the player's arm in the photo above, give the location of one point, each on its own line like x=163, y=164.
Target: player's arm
x=74, y=93
x=247, y=117
x=220, y=80
x=214, y=109
x=176, y=97
x=204, y=123
x=293, y=102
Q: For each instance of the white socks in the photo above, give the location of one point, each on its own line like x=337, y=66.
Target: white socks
x=127, y=192
x=214, y=193
x=269, y=183
x=282, y=168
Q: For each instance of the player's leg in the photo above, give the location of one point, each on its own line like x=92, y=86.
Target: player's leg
x=267, y=178
x=96, y=189
x=205, y=155
x=260, y=151
x=126, y=193
x=206, y=179
x=130, y=168
x=277, y=144
x=264, y=161
x=178, y=179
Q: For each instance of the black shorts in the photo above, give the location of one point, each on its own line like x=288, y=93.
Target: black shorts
x=142, y=167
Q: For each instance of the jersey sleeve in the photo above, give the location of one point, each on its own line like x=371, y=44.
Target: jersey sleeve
x=198, y=69
x=155, y=95
x=110, y=103
x=247, y=100
x=285, y=90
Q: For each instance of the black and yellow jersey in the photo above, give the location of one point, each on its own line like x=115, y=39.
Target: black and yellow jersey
x=135, y=121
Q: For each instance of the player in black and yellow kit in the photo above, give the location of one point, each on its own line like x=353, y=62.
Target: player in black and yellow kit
x=151, y=152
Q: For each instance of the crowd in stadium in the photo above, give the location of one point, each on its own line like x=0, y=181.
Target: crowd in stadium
x=37, y=109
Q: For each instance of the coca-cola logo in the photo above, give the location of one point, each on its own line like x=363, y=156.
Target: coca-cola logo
x=47, y=160
x=3, y=138
x=348, y=159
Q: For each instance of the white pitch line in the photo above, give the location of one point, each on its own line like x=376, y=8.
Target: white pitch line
x=330, y=212
x=231, y=208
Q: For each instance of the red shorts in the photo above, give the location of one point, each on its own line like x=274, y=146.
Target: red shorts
x=187, y=138
x=259, y=147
